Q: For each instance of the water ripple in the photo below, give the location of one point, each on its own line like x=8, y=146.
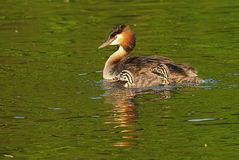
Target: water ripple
x=55, y=108
x=19, y=117
x=204, y=119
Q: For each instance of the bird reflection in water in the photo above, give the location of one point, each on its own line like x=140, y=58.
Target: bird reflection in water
x=123, y=115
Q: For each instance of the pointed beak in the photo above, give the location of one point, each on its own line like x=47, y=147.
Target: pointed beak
x=106, y=43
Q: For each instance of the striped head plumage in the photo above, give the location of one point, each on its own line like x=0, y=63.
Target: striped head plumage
x=162, y=71
x=126, y=76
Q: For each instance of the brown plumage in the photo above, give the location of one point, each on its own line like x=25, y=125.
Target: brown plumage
x=138, y=72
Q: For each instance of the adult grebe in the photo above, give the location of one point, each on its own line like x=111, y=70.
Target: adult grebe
x=139, y=72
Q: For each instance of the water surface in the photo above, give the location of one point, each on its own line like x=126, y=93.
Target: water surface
x=54, y=104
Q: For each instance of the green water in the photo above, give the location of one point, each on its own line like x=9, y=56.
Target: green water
x=54, y=105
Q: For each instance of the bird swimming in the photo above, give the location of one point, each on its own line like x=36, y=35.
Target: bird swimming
x=142, y=71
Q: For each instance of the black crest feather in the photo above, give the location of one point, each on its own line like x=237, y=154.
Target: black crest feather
x=117, y=30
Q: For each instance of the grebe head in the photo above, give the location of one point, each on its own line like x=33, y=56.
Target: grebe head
x=121, y=35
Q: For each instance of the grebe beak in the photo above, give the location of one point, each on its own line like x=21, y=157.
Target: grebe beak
x=106, y=43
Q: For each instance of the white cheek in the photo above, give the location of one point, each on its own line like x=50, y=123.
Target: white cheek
x=117, y=40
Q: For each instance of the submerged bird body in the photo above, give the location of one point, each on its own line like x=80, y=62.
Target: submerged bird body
x=139, y=72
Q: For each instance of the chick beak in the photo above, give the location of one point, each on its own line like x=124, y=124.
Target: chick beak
x=106, y=43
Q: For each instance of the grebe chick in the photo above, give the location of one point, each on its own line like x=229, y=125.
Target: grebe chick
x=139, y=72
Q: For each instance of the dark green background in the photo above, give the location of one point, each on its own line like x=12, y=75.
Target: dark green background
x=53, y=104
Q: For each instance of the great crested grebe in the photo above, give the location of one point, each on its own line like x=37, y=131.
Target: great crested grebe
x=139, y=72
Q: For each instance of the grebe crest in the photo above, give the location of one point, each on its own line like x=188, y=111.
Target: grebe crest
x=121, y=35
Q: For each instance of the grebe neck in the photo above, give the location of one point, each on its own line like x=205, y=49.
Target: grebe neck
x=116, y=57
